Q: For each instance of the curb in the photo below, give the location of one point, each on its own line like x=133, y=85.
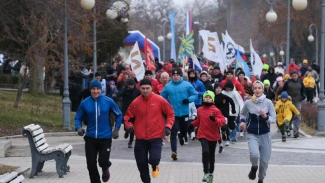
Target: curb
x=304, y=134
x=54, y=134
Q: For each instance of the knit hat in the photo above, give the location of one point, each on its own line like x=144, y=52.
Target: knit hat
x=203, y=72
x=177, y=71
x=266, y=82
x=305, y=61
x=95, y=84
x=97, y=74
x=259, y=82
x=279, y=79
x=209, y=93
x=216, y=67
x=279, y=63
x=284, y=94
x=148, y=72
x=130, y=81
x=286, y=77
x=145, y=81
x=241, y=72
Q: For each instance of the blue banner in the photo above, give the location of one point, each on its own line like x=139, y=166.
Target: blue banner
x=172, y=45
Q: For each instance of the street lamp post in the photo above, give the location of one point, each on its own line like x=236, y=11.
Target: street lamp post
x=161, y=38
x=66, y=100
x=271, y=16
x=281, y=51
x=321, y=103
x=311, y=38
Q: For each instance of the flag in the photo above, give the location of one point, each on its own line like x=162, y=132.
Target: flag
x=136, y=63
x=186, y=48
x=230, y=48
x=256, y=61
x=172, y=27
x=196, y=62
x=240, y=63
x=150, y=58
x=189, y=20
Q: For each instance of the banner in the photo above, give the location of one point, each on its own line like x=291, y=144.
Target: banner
x=136, y=63
x=150, y=58
x=256, y=61
x=172, y=45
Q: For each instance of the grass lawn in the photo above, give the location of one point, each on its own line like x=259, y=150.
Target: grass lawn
x=6, y=169
x=45, y=110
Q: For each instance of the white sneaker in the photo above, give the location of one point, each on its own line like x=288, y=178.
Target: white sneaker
x=192, y=135
x=227, y=143
x=185, y=143
x=241, y=134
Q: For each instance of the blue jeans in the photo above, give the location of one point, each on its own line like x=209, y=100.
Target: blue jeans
x=233, y=133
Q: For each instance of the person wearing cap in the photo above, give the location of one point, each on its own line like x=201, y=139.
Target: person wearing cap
x=128, y=93
x=304, y=67
x=293, y=66
x=198, y=85
x=150, y=117
x=216, y=75
x=98, y=135
x=206, y=82
x=268, y=91
x=238, y=86
x=230, y=91
x=179, y=94
x=284, y=109
x=208, y=121
x=256, y=115
x=279, y=88
x=296, y=90
x=148, y=74
x=279, y=69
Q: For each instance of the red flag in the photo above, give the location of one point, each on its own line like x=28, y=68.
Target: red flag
x=150, y=58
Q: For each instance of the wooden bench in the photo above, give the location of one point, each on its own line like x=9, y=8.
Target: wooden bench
x=42, y=152
x=12, y=177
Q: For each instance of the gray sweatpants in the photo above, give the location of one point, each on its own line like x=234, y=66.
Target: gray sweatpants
x=296, y=119
x=260, y=149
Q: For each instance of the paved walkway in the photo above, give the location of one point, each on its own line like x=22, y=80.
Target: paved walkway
x=125, y=171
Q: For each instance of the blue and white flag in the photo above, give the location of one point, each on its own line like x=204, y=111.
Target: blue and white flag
x=240, y=63
x=172, y=45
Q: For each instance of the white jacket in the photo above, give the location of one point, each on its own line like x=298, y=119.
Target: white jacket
x=239, y=103
x=193, y=111
x=279, y=70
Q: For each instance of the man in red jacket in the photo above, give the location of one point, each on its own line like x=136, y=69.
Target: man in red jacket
x=230, y=77
x=293, y=66
x=148, y=74
x=149, y=127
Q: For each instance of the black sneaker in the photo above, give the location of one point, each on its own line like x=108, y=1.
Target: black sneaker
x=130, y=145
x=126, y=135
x=284, y=138
x=106, y=175
x=252, y=173
x=288, y=133
x=295, y=135
x=174, y=156
x=260, y=181
x=220, y=149
x=181, y=139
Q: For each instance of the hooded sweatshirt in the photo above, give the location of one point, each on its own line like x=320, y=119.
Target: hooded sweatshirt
x=284, y=110
x=239, y=103
x=309, y=82
x=198, y=85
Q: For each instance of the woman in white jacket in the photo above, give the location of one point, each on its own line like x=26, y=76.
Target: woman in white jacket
x=230, y=91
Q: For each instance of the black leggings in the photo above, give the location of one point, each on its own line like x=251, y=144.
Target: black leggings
x=208, y=155
x=310, y=94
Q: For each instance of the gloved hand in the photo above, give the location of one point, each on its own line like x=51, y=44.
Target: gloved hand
x=212, y=118
x=193, y=117
x=130, y=129
x=233, y=111
x=115, y=133
x=167, y=131
x=81, y=131
x=185, y=101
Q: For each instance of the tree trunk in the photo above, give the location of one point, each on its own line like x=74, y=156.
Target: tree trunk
x=20, y=88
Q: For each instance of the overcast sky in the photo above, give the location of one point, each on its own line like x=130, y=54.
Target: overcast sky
x=181, y=2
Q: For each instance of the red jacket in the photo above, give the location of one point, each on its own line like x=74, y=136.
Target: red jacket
x=154, y=85
x=237, y=85
x=160, y=87
x=148, y=114
x=209, y=129
x=293, y=67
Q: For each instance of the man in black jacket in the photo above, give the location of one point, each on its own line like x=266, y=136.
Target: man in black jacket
x=128, y=93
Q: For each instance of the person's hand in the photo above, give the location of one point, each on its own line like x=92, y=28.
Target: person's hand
x=115, y=133
x=233, y=111
x=212, y=118
x=167, y=131
x=193, y=117
x=185, y=101
x=130, y=129
x=262, y=113
x=81, y=131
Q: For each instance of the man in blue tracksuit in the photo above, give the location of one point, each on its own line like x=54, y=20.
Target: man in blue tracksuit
x=96, y=109
x=179, y=94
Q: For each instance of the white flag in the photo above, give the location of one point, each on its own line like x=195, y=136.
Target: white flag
x=211, y=48
x=196, y=62
x=256, y=61
x=230, y=49
x=136, y=62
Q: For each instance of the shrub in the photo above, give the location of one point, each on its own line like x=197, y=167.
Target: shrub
x=309, y=114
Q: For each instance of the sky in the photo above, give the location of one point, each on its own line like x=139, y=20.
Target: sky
x=181, y=2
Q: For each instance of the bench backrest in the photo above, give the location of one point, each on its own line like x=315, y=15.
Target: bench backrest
x=37, y=137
